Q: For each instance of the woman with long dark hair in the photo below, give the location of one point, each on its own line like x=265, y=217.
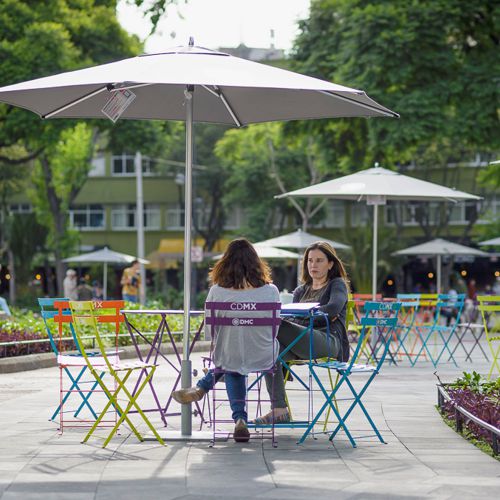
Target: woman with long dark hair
x=324, y=280
x=240, y=276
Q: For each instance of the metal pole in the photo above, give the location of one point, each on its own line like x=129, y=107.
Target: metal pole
x=186, y=422
x=438, y=273
x=374, y=260
x=140, y=223
x=105, y=282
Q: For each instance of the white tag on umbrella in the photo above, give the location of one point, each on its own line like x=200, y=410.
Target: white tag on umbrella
x=118, y=103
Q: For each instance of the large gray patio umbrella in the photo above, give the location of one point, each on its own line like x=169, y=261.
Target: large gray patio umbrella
x=300, y=240
x=105, y=256
x=191, y=84
x=440, y=247
x=375, y=186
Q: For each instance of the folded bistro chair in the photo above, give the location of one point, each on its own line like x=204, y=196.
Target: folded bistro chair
x=489, y=306
x=72, y=365
x=85, y=316
x=441, y=332
x=378, y=316
x=220, y=317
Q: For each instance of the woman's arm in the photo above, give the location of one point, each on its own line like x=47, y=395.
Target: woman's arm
x=337, y=299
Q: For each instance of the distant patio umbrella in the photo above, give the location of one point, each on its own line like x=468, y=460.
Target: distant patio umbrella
x=300, y=240
x=376, y=185
x=440, y=247
x=495, y=242
x=105, y=256
x=165, y=86
x=269, y=252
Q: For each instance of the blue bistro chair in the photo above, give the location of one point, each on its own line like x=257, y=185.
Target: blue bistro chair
x=381, y=319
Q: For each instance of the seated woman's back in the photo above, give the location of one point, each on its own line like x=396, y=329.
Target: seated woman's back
x=242, y=348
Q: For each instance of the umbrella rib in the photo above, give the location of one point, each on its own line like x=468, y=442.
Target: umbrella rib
x=218, y=93
x=362, y=105
x=75, y=102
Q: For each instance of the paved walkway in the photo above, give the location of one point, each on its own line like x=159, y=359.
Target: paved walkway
x=423, y=458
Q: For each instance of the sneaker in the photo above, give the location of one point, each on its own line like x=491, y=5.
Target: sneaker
x=191, y=395
x=241, y=433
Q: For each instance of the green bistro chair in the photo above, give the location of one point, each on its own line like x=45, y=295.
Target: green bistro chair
x=489, y=306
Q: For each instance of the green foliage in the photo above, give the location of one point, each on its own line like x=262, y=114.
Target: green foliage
x=430, y=61
x=478, y=384
x=261, y=161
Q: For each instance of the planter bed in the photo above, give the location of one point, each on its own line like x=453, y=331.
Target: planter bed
x=475, y=409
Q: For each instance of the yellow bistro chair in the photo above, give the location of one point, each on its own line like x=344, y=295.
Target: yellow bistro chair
x=489, y=305
x=85, y=320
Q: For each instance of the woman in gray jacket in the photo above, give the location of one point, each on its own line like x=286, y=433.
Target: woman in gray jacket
x=325, y=281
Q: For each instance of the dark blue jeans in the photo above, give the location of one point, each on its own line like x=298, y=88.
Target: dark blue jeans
x=235, y=387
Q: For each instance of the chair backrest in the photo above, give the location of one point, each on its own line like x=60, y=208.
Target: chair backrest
x=450, y=302
x=381, y=318
x=221, y=317
x=57, y=310
x=59, y=315
x=489, y=306
x=87, y=315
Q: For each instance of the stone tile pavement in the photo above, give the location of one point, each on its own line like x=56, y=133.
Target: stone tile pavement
x=423, y=458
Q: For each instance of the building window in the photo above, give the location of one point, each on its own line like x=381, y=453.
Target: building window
x=98, y=167
x=124, y=165
x=123, y=216
x=20, y=208
x=87, y=217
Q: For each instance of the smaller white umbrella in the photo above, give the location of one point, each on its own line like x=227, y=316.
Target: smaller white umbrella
x=269, y=252
x=300, y=240
x=377, y=185
x=440, y=247
x=492, y=242
x=105, y=256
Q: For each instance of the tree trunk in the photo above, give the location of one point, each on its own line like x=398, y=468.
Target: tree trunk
x=12, y=281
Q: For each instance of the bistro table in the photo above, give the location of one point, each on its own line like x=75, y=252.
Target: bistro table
x=154, y=352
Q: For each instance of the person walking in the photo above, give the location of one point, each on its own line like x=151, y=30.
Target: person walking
x=70, y=284
x=131, y=282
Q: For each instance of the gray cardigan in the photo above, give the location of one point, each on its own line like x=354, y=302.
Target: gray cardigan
x=333, y=301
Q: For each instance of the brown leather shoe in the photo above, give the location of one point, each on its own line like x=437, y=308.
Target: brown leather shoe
x=185, y=396
x=241, y=433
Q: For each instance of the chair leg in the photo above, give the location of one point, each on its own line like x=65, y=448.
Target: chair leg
x=133, y=403
x=112, y=400
x=328, y=402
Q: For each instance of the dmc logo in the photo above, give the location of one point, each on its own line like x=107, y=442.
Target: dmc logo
x=236, y=321
x=243, y=306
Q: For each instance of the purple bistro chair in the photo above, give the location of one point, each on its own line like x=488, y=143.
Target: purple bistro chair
x=221, y=317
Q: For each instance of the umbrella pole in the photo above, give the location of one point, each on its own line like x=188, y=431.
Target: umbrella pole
x=105, y=281
x=374, y=259
x=438, y=273
x=186, y=421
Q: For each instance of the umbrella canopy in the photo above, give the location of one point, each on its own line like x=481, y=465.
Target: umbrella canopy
x=440, y=247
x=105, y=256
x=492, y=242
x=191, y=84
x=379, y=181
x=265, y=251
x=300, y=239
x=376, y=185
x=227, y=90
